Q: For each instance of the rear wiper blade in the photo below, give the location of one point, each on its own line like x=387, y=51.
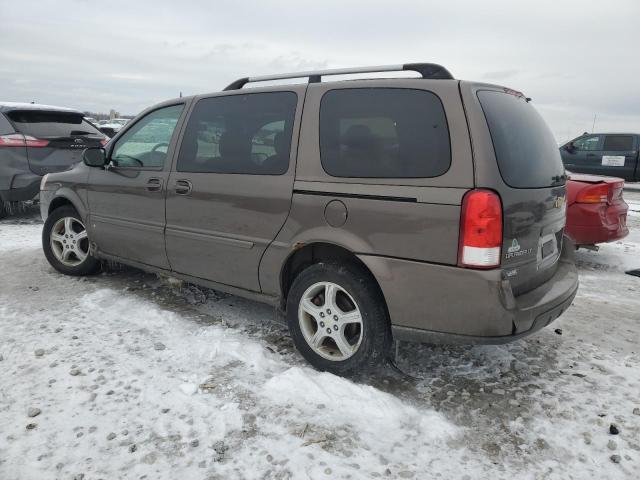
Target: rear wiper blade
x=80, y=132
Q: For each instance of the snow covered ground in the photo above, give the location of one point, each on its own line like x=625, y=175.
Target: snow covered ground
x=129, y=376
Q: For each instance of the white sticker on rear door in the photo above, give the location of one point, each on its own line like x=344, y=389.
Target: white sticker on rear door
x=613, y=160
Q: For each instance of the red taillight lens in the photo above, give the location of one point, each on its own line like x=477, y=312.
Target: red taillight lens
x=594, y=194
x=19, y=140
x=480, y=230
x=104, y=141
x=35, y=142
x=13, y=140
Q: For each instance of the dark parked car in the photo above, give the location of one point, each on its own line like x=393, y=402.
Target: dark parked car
x=611, y=154
x=359, y=207
x=36, y=140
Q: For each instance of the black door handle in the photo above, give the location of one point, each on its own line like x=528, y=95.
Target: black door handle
x=154, y=184
x=591, y=155
x=183, y=187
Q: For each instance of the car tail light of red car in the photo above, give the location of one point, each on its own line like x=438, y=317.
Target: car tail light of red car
x=19, y=140
x=480, y=230
x=600, y=193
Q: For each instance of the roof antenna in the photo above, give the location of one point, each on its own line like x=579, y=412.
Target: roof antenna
x=181, y=94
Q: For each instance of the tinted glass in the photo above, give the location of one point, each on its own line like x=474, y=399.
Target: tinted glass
x=383, y=133
x=146, y=143
x=5, y=126
x=526, y=151
x=590, y=143
x=248, y=134
x=51, y=124
x=618, y=143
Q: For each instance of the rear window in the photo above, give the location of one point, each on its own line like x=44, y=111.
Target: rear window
x=526, y=151
x=51, y=124
x=383, y=133
x=618, y=143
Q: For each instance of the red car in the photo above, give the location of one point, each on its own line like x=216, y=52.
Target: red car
x=596, y=211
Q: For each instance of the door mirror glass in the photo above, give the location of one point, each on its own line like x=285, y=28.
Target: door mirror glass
x=94, y=156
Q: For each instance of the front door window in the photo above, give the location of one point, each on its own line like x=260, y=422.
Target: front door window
x=145, y=144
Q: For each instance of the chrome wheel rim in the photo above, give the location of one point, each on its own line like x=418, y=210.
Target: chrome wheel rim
x=330, y=321
x=69, y=241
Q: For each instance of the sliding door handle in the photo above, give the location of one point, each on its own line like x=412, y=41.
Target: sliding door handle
x=154, y=184
x=183, y=187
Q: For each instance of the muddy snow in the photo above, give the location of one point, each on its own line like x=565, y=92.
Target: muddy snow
x=126, y=376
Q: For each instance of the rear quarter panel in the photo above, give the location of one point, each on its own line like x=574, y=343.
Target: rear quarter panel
x=416, y=218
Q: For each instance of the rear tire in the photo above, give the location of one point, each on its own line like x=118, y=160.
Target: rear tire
x=66, y=244
x=337, y=318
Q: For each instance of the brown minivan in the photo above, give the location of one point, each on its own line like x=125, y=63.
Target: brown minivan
x=426, y=209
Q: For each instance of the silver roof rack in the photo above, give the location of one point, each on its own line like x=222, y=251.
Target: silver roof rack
x=427, y=70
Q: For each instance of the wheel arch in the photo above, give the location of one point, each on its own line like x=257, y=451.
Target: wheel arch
x=316, y=252
x=65, y=196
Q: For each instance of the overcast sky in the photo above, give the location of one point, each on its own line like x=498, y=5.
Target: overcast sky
x=576, y=59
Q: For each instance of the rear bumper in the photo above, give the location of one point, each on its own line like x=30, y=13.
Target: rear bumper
x=591, y=224
x=23, y=187
x=441, y=304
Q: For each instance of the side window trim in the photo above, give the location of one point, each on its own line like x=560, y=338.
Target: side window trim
x=171, y=149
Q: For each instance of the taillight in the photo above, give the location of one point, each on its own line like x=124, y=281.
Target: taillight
x=13, y=140
x=19, y=140
x=598, y=193
x=104, y=141
x=480, y=230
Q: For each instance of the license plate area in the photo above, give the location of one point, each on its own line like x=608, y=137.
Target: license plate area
x=549, y=246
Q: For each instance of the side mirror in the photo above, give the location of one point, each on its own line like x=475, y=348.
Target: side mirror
x=569, y=147
x=94, y=156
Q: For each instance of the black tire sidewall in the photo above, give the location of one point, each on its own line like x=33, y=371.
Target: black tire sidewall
x=88, y=266
x=375, y=321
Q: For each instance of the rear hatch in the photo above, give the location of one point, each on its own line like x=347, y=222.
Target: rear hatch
x=533, y=193
x=54, y=139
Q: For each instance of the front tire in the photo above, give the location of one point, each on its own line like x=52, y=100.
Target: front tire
x=66, y=244
x=337, y=318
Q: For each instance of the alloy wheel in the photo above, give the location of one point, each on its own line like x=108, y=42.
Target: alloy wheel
x=69, y=241
x=330, y=320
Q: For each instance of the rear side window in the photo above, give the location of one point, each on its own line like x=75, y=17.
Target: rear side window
x=5, y=126
x=383, y=133
x=51, y=124
x=244, y=134
x=618, y=143
x=526, y=151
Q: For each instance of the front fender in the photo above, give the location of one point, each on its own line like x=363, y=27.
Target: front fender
x=66, y=187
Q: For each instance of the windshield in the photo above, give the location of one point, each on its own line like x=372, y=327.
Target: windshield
x=526, y=151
